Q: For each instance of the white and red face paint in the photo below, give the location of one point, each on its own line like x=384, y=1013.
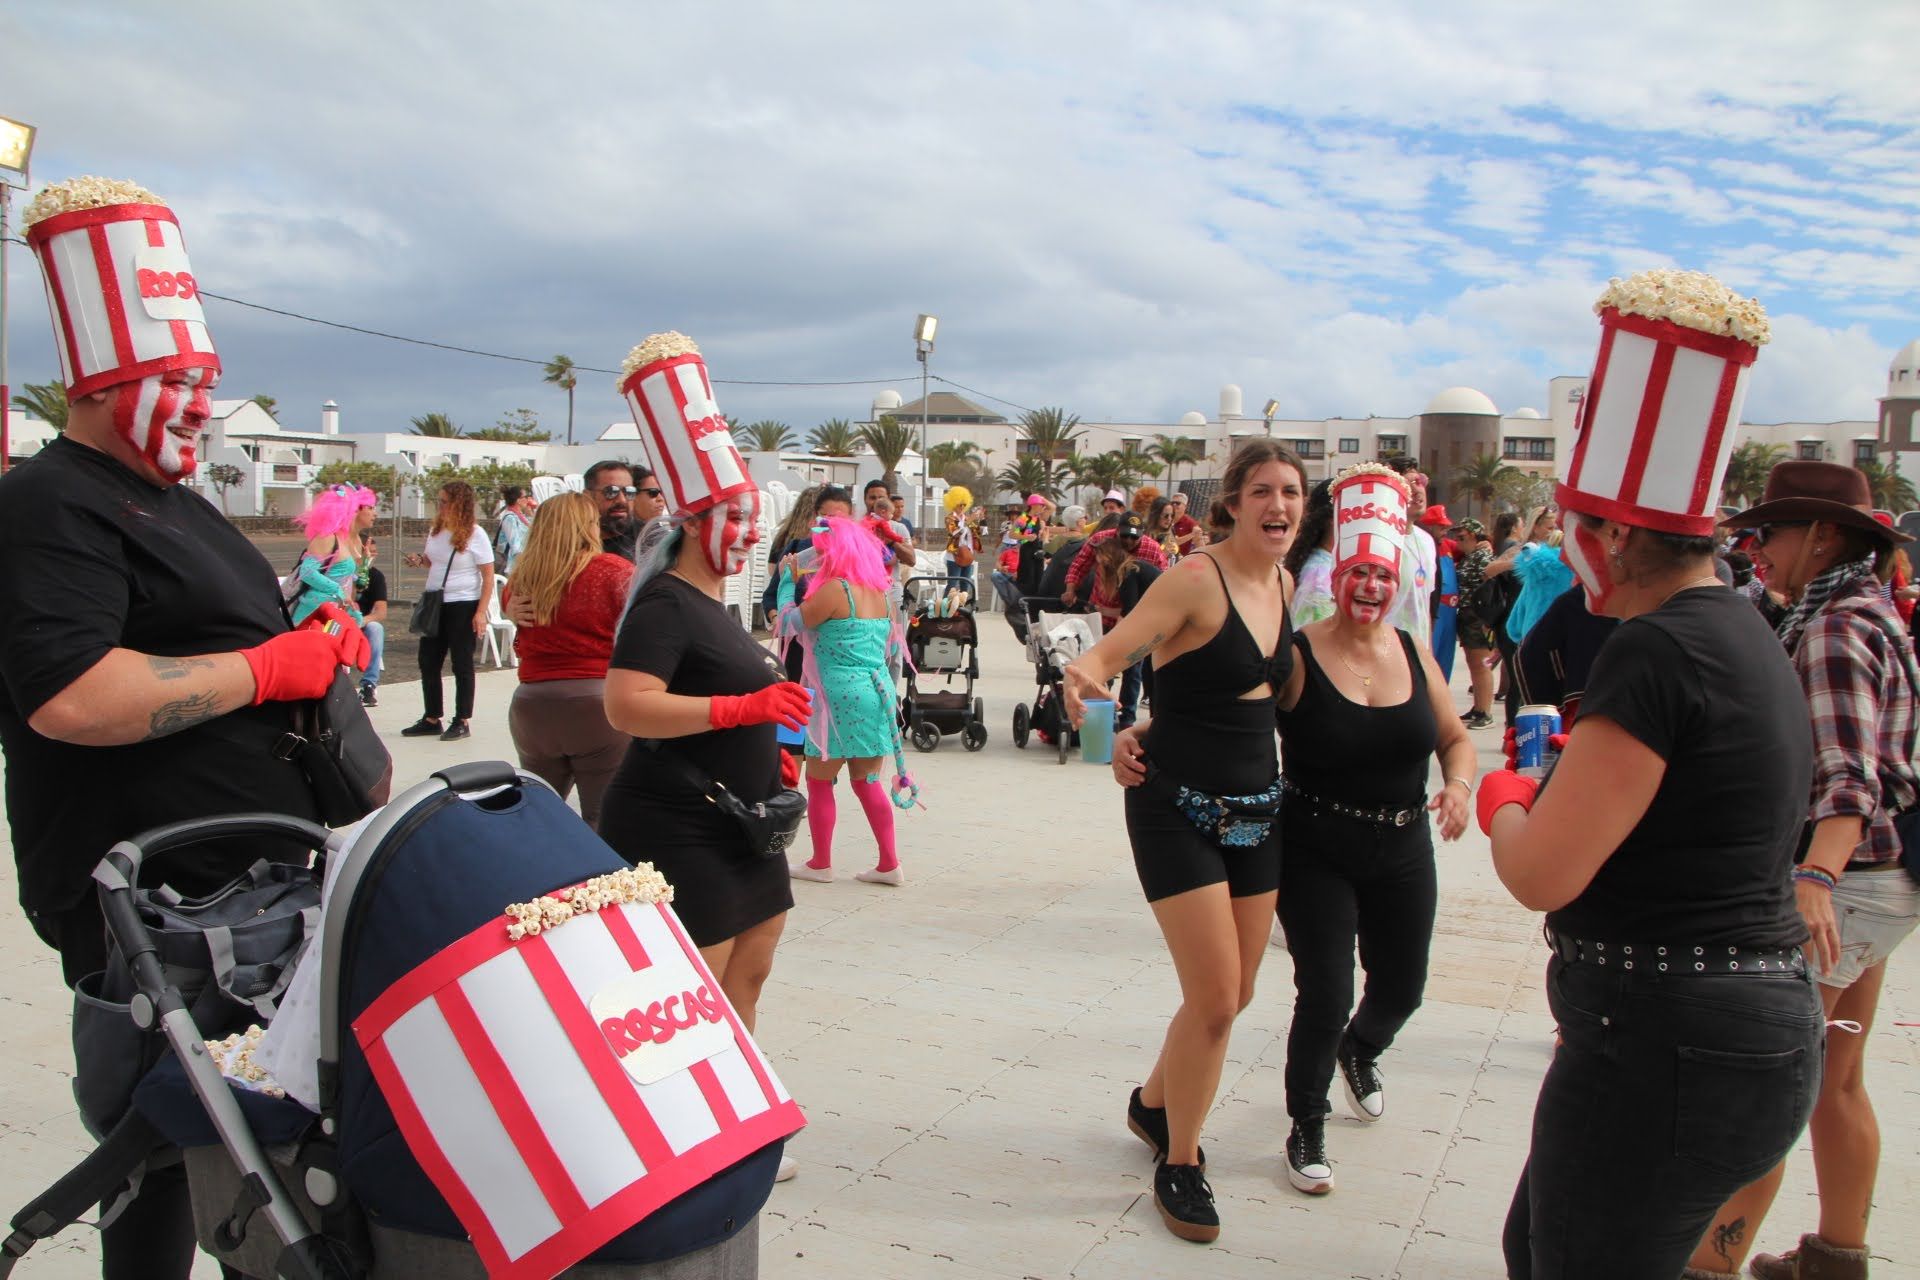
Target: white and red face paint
x=1586, y=555
x=1365, y=591
x=732, y=530
x=161, y=417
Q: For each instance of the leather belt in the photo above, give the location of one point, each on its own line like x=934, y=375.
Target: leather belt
x=1381, y=817
x=1718, y=959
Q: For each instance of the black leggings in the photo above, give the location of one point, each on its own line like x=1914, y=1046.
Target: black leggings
x=1341, y=878
x=455, y=640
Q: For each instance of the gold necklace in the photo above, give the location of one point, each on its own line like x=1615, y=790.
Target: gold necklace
x=1366, y=680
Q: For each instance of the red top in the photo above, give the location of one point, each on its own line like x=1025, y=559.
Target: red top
x=578, y=642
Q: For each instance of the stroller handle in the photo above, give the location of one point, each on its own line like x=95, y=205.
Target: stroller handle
x=120, y=869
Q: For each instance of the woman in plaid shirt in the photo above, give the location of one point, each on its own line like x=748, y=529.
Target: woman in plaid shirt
x=1820, y=543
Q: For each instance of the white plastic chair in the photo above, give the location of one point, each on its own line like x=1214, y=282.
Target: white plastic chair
x=547, y=487
x=497, y=640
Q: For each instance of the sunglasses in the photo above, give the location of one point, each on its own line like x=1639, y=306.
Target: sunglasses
x=1766, y=531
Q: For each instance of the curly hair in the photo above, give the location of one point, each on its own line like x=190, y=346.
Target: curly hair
x=455, y=514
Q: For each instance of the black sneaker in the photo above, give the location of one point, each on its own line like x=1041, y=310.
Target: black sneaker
x=1149, y=1124
x=1477, y=720
x=422, y=728
x=368, y=698
x=1307, y=1166
x=1366, y=1091
x=1185, y=1202
x=456, y=731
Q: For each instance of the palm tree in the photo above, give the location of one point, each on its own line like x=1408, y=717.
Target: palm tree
x=1481, y=477
x=891, y=440
x=1101, y=471
x=834, y=438
x=559, y=371
x=1052, y=432
x=1891, y=490
x=1747, y=469
x=769, y=436
x=434, y=424
x=952, y=455
x=46, y=401
x=269, y=404
x=1175, y=451
x=1029, y=474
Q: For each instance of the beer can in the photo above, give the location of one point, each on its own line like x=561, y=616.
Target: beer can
x=1531, y=729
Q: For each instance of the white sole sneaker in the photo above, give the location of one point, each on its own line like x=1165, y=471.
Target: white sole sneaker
x=1314, y=1180
x=1362, y=1111
x=788, y=1167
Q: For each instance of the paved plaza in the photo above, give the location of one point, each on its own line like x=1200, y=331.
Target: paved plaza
x=964, y=1046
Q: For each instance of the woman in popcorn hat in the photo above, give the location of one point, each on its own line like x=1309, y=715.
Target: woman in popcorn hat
x=1661, y=846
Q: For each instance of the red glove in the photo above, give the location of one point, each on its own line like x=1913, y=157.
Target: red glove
x=297, y=665
x=1502, y=788
x=355, y=652
x=1558, y=741
x=785, y=703
x=1510, y=747
x=789, y=770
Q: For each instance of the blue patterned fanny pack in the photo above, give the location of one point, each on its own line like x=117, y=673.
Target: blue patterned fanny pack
x=1231, y=822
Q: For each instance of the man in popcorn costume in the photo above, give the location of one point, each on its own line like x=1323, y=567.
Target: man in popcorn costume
x=142, y=638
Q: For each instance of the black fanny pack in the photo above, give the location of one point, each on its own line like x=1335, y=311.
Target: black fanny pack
x=1231, y=822
x=770, y=825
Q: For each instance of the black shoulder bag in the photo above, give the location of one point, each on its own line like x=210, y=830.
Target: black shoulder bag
x=770, y=825
x=336, y=746
x=426, y=613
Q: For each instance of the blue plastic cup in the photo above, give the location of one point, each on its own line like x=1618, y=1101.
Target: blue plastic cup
x=1096, y=732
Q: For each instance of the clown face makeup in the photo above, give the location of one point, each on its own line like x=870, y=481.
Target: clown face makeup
x=1586, y=555
x=731, y=532
x=1365, y=592
x=161, y=417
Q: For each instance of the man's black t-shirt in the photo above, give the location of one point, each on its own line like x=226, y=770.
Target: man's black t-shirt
x=687, y=638
x=97, y=559
x=375, y=592
x=1708, y=688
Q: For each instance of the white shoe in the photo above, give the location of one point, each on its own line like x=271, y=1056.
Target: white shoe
x=1278, y=938
x=894, y=877
x=801, y=871
x=788, y=1167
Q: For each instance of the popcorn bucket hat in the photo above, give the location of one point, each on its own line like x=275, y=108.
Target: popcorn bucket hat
x=1370, y=517
x=1655, y=427
x=664, y=382
x=125, y=301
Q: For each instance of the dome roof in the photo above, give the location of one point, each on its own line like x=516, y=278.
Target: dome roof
x=888, y=399
x=1193, y=418
x=1461, y=400
x=1903, y=375
x=1524, y=413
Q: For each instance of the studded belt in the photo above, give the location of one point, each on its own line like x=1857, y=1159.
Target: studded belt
x=1678, y=959
x=1383, y=817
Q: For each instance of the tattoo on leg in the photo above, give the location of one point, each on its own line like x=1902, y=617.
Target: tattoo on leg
x=175, y=668
x=1145, y=649
x=1728, y=1236
x=183, y=713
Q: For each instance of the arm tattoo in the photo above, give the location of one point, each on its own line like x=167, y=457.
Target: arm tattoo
x=1145, y=649
x=1728, y=1235
x=175, y=668
x=183, y=713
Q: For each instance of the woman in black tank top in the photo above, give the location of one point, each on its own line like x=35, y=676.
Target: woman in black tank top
x=1365, y=710
x=1203, y=829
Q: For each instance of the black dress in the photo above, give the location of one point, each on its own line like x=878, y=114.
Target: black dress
x=652, y=812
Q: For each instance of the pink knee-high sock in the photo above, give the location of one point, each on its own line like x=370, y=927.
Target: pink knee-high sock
x=873, y=798
x=822, y=809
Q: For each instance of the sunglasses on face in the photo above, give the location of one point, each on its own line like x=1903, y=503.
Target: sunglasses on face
x=652, y=492
x=612, y=491
x=1767, y=531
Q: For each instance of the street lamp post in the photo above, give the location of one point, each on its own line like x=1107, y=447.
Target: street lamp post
x=1267, y=411
x=923, y=328
x=16, y=149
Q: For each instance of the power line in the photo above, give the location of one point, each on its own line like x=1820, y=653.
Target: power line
x=496, y=355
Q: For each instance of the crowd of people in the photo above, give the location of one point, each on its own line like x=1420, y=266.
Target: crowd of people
x=1719, y=917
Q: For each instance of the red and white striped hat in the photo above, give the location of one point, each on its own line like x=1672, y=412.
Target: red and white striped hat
x=1655, y=428
x=665, y=383
x=125, y=302
x=1369, y=517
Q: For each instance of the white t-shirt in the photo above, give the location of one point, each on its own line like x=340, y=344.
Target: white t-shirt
x=1412, y=608
x=463, y=577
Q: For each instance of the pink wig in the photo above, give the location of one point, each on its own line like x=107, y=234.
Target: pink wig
x=334, y=508
x=848, y=549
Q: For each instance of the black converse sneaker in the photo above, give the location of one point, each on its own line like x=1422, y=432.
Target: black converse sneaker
x=1366, y=1091
x=1307, y=1166
x=1185, y=1202
x=1149, y=1124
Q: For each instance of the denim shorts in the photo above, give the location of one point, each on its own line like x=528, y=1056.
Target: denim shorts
x=1874, y=909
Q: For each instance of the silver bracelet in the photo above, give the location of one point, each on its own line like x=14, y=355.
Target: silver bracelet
x=1462, y=781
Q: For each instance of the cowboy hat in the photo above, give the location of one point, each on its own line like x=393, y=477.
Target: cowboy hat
x=1809, y=491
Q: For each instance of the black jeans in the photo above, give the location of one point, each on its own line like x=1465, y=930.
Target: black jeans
x=1668, y=1093
x=455, y=640
x=1341, y=878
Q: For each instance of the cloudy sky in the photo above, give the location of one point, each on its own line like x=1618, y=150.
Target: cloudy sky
x=1112, y=207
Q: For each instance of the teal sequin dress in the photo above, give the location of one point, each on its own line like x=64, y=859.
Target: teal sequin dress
x=850, y=658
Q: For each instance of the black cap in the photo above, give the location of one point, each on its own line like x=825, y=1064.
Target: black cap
x=1130, y=525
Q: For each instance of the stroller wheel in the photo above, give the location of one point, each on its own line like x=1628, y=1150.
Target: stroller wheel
x=1021, y=725
x=925, y=736
x=974, y=736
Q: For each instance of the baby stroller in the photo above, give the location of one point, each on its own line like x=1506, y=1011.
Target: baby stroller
x=1054, y=638
x=434, y=1133
x=941, y=643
